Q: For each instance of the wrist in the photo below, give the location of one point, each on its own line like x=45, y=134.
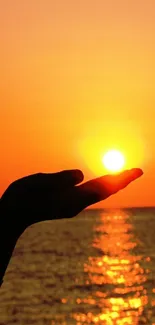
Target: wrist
x=9, y=219
x=8, y=238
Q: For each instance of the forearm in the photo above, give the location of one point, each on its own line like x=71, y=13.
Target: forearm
x=8, y=240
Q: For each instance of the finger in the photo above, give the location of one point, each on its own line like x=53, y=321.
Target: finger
x=101, y=188
x=114, y=183
x=48, y=181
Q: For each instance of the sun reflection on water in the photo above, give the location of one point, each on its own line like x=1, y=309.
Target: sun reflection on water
x=117, y=278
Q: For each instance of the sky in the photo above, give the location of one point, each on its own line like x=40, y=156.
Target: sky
x=77, y=79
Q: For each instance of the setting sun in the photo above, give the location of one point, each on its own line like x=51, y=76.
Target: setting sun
x=113, y=160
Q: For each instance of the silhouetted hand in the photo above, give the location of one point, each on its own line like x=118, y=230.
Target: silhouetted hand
x=42, y=197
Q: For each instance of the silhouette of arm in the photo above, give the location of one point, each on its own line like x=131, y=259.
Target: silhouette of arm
x=41, y=197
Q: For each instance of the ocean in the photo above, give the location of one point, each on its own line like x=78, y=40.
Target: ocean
x=97, y=268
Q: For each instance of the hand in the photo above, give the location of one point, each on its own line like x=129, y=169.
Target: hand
x=42, y=197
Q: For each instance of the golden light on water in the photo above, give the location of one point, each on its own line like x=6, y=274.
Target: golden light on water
x=113, y=161
x=116, y=287
x=115, y=275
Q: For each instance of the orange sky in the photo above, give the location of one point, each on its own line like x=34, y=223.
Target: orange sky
x=77, y=78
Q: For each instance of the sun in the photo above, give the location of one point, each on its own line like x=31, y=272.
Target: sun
x=113, y=160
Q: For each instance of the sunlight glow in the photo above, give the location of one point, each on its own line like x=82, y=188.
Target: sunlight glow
x=113, y=160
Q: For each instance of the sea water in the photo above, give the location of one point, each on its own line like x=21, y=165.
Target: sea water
x=97, y=268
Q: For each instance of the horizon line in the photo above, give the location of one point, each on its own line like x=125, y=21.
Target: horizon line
x=125, y=207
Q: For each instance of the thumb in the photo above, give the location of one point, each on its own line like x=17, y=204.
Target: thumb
x=65, y=178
